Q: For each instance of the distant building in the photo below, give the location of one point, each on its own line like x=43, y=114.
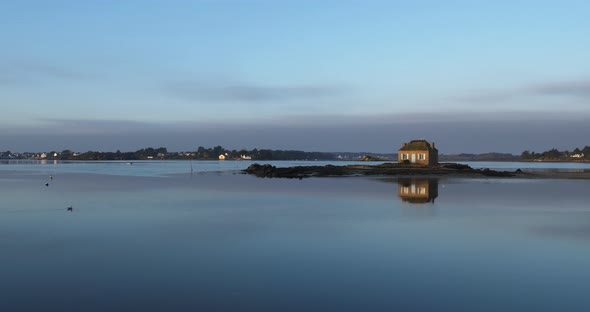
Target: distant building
x=43, y=156
x=580, y=155
x=418, y=152
x=221, y=157
x=417, y=191
x=246, y=157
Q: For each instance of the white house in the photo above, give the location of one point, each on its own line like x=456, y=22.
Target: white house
x=580, y=155
x=221, y=157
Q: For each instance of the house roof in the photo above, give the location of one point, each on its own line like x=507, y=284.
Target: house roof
x=417, y=145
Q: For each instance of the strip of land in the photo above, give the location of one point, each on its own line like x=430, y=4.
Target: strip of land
x=397, y=169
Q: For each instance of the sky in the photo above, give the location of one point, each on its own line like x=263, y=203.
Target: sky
x=473, y=76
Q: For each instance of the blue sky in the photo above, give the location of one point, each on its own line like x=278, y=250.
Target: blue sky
x=189, y=73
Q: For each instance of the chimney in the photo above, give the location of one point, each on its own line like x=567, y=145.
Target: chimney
x=432, y=144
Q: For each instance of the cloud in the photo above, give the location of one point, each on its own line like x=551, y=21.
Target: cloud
x=20, y=72
x=570, y=88
x=94, y=126
x=240, y=92
x=453, y=133
x=573, y=88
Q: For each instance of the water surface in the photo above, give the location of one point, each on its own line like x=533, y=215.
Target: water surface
x=166, y=167
x=229, y=242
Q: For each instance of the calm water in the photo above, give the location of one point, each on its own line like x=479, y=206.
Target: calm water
x=159, y=168
x=150, y=237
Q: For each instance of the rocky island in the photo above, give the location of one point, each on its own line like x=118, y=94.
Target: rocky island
x=386, y=169
x=415, y=158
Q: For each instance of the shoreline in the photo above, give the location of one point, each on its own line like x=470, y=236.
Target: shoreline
x=455, y=171
x=302, y=160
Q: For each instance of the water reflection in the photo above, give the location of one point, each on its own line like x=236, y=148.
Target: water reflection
x=417, y=190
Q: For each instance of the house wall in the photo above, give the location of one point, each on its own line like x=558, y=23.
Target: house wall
x=433, y=158
x=430, y=158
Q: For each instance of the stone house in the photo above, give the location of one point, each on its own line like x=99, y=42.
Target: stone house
x=419, y=152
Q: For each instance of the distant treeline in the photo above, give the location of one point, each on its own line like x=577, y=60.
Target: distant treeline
x=212, y=153
x=479, y=157
x=551, y=155
x=201, y=153
x=257, y=154
x=556, y=155
x=145, y=153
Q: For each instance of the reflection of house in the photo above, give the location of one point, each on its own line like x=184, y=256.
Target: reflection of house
x=418, y=152
x=416, y=190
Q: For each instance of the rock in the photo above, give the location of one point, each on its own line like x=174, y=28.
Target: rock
x=299, y=172
x=455, y=166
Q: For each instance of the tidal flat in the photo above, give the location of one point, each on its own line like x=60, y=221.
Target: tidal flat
x=223, y=241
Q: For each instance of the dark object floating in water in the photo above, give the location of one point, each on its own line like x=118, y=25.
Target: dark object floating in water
x=70, y=209
x=46, y=184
